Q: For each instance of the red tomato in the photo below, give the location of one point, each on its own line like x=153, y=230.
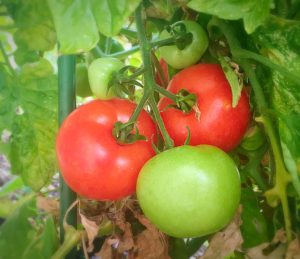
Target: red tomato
x=219, y=124
x=92, y=163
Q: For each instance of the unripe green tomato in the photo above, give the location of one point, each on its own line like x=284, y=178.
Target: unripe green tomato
x=100, y=73
x=191, y=53
x=82, y=82
x=189, y=191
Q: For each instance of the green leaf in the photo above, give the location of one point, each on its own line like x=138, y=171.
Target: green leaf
x=254, y=228
x=289, y=129
x=161, y=9
x=45, y=244
x=252, y=12
x=24, y=235
x=257, y=16
x=116, y=14
x=28, y=114
x=7, y=206
x=14, y=184
x=22, y=55
x=278, y=39
x=75, y=25
x=40, y=69
x=236, y=85
x=35, y=26
x=17, y=232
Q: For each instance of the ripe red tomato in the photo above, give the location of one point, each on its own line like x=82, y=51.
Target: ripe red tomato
x=218, y=124
x=92, y=163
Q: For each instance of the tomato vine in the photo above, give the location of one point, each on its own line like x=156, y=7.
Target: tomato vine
x=140, y=96
x=282, y=176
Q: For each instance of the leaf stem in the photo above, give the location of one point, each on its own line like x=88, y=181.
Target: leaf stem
x=160, y=71
x=281, y=175
x=6, y=59
x=129, y=33
x=246, y=54
x=150, y=84
x=125, y=53
x=168, y=141
x=166, y=93
x=72, y=238
x=120, y=54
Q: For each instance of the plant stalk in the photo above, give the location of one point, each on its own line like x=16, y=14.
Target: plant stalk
x=7, y=62
x=281, y=175
x=67, y=103
x=149, y=86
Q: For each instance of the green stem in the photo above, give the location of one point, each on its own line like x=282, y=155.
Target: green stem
x=6, y=59
x=149, y=86
x=125, y=53
x=281, y=176
x=129, y=33
x=137, y=73
x=166, y=93
x=159, y=70
x=73, y=237
x=258, y=92
x=246, y=54
x=120, y=54
x=168, y=141
x=138, y=109
x=164, y=42
x=108, y=44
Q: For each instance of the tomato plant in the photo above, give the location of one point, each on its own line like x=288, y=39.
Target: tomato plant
x=217, y=122
x=91, y=161
x=100, y=72
x=189, y=191
x=190, y=54
x=212, y=49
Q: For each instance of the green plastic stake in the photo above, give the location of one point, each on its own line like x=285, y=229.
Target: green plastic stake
x=66, y=104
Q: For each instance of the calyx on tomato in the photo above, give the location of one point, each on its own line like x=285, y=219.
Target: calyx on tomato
x=216, y=122
x=91, y=161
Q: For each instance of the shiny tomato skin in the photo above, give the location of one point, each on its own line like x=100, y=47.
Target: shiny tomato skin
x=189, y=191
x=218, y=123
x=92, y=163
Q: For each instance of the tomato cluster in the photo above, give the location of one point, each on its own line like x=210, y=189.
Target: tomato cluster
x=189, y=190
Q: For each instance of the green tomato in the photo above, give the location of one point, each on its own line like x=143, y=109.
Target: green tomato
x=191, y=53
x=82, y=82
x=100, y=73
x=189, y=191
